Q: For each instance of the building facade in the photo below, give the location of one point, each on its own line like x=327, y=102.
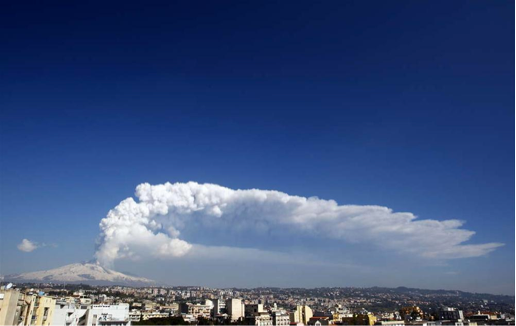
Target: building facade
x=235, y=309
x=301, y=315
x=280, y=318
x=113, y=315
x=10, y=309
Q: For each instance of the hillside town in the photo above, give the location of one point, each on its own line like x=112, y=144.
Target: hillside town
x=80, y=304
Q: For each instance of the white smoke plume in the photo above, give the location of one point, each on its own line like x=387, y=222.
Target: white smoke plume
x=152, y=225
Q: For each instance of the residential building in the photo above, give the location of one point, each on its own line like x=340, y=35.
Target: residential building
x=452, y=314
x=113, y=315
x=196, y=310
x=280, y=318
x=151, y=314
x=44, y=310
x=251, y=309
x=67, y=314
x=219, y=306
x=135, y=315
x=235, y=309
x=260, y=319
x=301, y=315
x=10, y=309
x=391, y=323
x=36, y=309
x=359, y=319
x=319, y=321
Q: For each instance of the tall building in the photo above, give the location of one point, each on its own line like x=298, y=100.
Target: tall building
x=301, y=315
x=235, y=309
x=44, y=310
x=10, y=309
x=219, y=306
x=36, y=309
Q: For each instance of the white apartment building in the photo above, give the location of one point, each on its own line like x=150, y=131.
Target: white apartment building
x=280, y=318
x=262, y=319
x=66, y=314
x=235, y=309
x=113, y=315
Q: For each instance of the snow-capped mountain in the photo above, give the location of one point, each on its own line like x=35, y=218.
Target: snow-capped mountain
x=87, y=273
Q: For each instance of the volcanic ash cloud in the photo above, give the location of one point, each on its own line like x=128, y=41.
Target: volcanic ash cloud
x=152, y=224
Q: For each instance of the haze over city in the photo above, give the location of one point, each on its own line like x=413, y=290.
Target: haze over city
x=261, y=144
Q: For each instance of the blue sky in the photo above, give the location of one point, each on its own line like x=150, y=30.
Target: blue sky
x=407, y=105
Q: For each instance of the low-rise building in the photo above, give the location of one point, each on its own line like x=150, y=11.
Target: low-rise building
x=196, y=310
x=135, y=315
x=113, y=315
x=260, y=319
x=154, y=314
x=391, y=323
x=67, y=314
x=251, y=309
x=280, y=318
x=359, y=319
x=452, y=314
x=319, y=321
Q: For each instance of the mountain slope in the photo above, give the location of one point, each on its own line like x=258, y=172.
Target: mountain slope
x=88, y=273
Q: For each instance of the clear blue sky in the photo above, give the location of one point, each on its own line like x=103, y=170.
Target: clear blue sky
x=404, y=104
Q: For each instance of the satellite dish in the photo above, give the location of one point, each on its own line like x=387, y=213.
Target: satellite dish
x=8, y=286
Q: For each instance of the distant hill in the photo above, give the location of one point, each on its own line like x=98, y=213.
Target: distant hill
x=86, y=273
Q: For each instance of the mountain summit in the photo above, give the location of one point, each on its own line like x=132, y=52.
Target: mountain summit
x=87, y=273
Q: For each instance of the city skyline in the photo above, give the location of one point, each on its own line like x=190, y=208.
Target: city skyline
x=80, y=304
x=235, y=144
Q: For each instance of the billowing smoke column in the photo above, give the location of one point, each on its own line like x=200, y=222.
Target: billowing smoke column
x=152, y=225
